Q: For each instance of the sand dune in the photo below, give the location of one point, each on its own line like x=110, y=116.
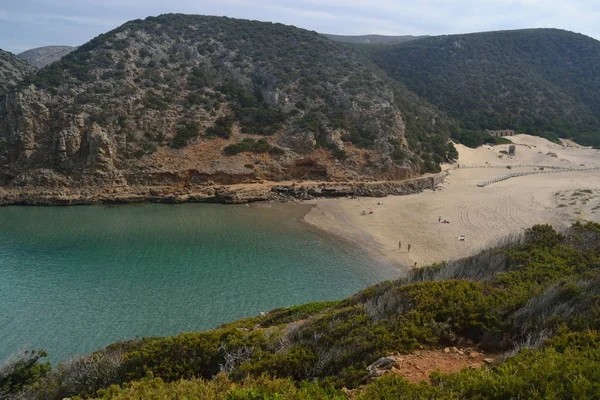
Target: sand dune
x=483, y=215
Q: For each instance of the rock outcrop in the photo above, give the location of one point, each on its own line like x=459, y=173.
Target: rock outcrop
x=58, y=190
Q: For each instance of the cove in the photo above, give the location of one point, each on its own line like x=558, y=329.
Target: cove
x=75, y=279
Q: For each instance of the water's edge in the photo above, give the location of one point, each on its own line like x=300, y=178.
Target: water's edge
x=232, y=194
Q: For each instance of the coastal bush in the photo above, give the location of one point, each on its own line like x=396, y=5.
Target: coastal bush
x=568, y=367
x=248, y=145
x=23, y=370
x=221, y=387
x=184, y=133
x=221, y=128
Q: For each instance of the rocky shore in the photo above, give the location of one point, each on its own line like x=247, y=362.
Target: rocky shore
x=226, y=194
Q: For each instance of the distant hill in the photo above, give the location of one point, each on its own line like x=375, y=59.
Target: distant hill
x=371, y=39
x=538, y=81
x=178, y=98
x=42, y=56
x=12, y=70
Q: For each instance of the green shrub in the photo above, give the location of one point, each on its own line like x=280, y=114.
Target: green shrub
x=25, y=370
x=248, y=146
x=221, y=388
x=183, y=133
x=221, y=128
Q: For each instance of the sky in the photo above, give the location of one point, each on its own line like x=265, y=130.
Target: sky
x=26, y=24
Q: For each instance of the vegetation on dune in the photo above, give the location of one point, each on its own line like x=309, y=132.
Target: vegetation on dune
x=538, y=81
x=514, y=298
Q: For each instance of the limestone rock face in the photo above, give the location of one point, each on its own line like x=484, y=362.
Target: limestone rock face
x=69, y=142
x=35, y=136
x=24, y=119
x=101, y=150
x=334, y=138
x=396, y=130
x=383, y=366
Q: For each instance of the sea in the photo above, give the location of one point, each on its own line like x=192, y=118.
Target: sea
x=75, y=279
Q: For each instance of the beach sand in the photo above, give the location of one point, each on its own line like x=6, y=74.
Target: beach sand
x=484, y=215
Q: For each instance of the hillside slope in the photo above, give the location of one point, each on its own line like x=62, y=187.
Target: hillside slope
x=12, y=70
x=185, y=100
x=538, y=294
x=538, y=81
x=42, y=56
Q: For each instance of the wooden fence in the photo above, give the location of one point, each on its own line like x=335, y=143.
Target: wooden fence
x=554, y=170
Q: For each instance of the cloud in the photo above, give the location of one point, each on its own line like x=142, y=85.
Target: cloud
x=76, y=21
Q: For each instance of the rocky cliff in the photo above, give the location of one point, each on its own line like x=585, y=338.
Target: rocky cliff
x=184, y=101
x=42, y=56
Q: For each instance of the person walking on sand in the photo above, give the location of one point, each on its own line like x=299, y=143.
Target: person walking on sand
x=399, y=245
x=439, y=219
x=409, y=248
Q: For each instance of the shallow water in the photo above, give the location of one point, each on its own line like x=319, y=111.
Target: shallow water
x=74, y=279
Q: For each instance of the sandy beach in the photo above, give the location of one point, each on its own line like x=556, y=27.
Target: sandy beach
x=483, y=215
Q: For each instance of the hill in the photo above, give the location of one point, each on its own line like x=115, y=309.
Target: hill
x=371, y=39
x=12, y=70
x=180, y=100
x=534, y=299
x=538, y=81
x=42, y=56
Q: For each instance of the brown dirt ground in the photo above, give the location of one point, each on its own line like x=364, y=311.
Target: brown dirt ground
x=418, y=366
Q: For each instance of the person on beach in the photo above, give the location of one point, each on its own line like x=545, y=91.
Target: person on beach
x=439, y=219
x=399, y=245
x=409, y=248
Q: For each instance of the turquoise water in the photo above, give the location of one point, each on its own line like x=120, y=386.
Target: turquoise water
x=74, y=279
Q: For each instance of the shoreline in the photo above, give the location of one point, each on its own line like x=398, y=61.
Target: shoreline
x=355, y=240
x=479, y=217
x=483, y=218
x=224, y=194
x=354, y=236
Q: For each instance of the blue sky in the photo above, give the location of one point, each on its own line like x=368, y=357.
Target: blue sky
x=26, y=24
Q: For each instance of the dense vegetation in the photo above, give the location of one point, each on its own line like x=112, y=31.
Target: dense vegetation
x=537, y=297
x=12, y=70
x=541, y=81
